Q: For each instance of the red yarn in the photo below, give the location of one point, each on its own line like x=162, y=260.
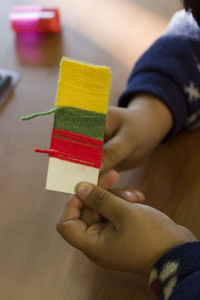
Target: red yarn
x=76, y=137
x=75, y=148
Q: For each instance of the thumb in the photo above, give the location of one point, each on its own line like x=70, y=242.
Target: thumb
x=106, y=204
x=115, y=150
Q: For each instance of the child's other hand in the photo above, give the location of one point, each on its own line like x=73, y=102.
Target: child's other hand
x=111, y=178
x=133, y=133
x=129, y=236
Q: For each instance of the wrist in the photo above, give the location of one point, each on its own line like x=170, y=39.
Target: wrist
x=180, y=264
x=156, y=113
x=179, y=237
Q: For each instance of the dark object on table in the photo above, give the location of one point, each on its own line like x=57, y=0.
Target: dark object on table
x=4, y=83
x=8, y=80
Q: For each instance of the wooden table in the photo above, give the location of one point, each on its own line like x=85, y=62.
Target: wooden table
x=35, y=263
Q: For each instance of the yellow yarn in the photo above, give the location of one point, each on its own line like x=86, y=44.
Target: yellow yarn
x=83, y=86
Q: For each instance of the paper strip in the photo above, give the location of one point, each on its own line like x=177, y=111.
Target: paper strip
x=63, y=175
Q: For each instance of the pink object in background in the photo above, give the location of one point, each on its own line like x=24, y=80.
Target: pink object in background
x=35, y=19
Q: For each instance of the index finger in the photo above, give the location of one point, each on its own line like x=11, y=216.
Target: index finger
x=72, y=209
x=71, y=228
x=109, y=179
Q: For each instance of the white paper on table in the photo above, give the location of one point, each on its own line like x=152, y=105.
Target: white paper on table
x=63, y=176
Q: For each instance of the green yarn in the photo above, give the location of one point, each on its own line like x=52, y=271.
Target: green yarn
x=49, y=112
x=80, y=121
x=76, y=120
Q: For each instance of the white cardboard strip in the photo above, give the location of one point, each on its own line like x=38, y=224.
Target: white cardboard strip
x=63, y=175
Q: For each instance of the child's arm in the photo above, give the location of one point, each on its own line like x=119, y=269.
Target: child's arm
x=169, y=73
x=130, y=236
x=136, y=238
x=133, y=133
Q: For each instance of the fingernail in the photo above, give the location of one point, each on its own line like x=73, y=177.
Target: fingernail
x=83, y=189
x=130, y=196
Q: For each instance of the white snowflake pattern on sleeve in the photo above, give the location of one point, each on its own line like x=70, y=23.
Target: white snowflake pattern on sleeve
x=164, y=281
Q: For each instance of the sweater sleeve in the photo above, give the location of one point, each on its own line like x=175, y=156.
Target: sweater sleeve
x=177, y=274
x=170, y=70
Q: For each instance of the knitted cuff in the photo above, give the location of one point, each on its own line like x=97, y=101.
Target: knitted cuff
x=177, y=274
x=163, y=88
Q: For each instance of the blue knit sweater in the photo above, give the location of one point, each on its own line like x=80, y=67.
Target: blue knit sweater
x=170, y=70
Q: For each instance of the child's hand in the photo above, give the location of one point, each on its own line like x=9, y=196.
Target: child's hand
x=111, y=178
x=129, y=237
x=107, y=181
x=134, y=132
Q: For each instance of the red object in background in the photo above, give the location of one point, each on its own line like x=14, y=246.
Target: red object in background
x=35, y=19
